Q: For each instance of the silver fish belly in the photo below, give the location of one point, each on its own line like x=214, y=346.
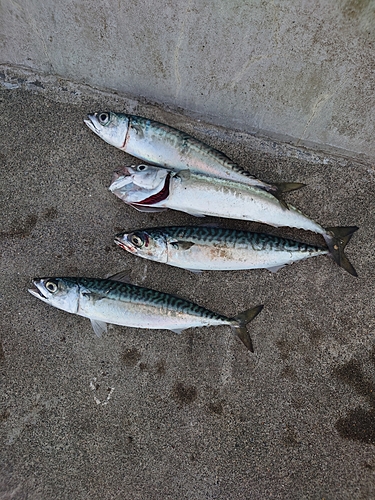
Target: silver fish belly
x=209, y=248
x=110, y=301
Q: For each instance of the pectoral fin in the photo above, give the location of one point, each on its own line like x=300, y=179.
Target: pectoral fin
x=196, y=214
x=99, y=327
x=177, y=330
x=182, y=244
x=184, y=175
x=275, y=268
x=140, y=208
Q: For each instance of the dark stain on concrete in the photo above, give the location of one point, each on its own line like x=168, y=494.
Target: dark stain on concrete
x=316, y=335
x=284, y=348
x=368, y=466
x=4, y=415
x=298, y=403
x=2, y=353
x=289, y=372
x=216, y=407
x=290, y=437
x=160, y=367
x=184, y=394
x=130, y=357
x=21, y=230
x=353, y=9
x=358, y=424
x=51, y=213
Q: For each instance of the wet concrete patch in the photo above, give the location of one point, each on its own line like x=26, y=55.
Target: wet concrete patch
x=358, y=424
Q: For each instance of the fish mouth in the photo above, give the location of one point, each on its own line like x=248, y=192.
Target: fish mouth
x=121, y=241
x=37, y=291
x=120, y=178
x=91, y=123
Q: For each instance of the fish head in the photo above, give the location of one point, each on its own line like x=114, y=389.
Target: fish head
x=144, y=176
x=149, y=244
x=136, y=183
x=111, y=127
x=62, y=293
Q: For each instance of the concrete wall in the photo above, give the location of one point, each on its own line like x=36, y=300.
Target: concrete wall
x=300, y=71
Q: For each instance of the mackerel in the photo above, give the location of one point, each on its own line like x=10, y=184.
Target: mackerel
x=200, y=195
x=199, y=248
x=114, y=301
x=167, y=147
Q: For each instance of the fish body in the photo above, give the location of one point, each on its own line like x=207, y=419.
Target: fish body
x=110, y=301
x=170, y=148
x=199, y=195
x=200, y=248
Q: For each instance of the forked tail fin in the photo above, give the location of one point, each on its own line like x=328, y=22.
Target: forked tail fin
x=243, y=319
x=337, y=238
x=285, y=187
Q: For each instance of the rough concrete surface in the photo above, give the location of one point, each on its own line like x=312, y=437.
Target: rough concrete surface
x=149, y=414
x=300, y=71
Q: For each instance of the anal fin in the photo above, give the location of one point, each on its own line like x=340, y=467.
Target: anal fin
x=177, y=330
x=122, y=276
x=274, y=269
x=99, y=327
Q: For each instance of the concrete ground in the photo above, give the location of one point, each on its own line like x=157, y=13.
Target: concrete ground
x=149, y=414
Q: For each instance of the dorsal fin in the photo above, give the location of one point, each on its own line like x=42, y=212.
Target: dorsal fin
x=122, y=276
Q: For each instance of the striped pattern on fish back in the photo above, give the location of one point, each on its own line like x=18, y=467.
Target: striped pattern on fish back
x=256, y=241
x=186, y=142
x=117, y=290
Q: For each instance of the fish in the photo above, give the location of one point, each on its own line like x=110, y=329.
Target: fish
x=202, y=248
x=200, y=195
x=165, y=146
x=112, y=300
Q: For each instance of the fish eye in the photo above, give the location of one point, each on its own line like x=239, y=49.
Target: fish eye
x=136, y=240
x=51, y=286
x=103, y=118
x=140, y=168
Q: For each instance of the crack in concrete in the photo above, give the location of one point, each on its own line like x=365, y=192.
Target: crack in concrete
x=245, y=67
x=176, y=55
x=276, y=23
x=32, y=22
x=317, y=107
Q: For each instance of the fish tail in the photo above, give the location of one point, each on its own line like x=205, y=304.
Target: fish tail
x=243, y=319
x=285, y=187
x=337, y=238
